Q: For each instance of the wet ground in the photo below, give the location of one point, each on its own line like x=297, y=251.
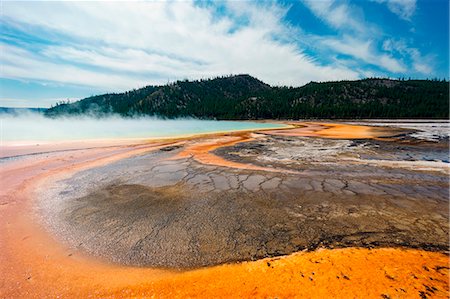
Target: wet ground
x=254, y=196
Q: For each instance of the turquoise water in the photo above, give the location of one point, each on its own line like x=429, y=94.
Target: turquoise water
x=35, y=127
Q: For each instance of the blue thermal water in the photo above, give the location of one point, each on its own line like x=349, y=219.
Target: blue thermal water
x=37, y=128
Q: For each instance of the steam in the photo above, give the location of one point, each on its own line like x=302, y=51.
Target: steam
x=26, y=127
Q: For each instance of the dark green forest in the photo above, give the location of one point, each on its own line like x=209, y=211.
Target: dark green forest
x=245, y=97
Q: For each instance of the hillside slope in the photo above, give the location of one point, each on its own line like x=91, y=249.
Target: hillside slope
x=245, y=97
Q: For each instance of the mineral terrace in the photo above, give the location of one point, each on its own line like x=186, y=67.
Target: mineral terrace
x=246, y=196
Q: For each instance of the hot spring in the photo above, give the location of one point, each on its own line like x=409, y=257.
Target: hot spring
x=34, y=128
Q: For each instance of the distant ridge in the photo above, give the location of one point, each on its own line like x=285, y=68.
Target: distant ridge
x=14, y=110
x=245, y=97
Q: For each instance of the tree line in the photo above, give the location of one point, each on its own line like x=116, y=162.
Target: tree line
x=245, y=97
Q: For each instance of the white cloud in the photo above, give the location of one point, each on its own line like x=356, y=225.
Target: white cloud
x=19, y=63
x=122, y=45
x=365, y=51
x=423, y=68
x=334, y=14
x=405, y=9
x=365, y=41
x=339, y=15
x=420, y=63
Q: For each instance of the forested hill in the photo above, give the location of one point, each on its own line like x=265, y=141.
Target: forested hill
x=245, y=97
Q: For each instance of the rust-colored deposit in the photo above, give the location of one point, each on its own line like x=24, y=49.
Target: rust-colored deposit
x=201, y=151
x=34, y=265
x=333, y=130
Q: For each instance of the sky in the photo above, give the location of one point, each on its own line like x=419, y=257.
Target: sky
x=58, y=50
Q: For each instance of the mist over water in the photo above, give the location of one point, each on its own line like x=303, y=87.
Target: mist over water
x=31, y=127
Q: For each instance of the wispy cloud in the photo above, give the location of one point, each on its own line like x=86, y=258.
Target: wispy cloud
x=337, y=14
x=421, y=64
x=365, y=41
x=155, y=42
x=115, y=46
x=365, y=51
x=19, y=63
x=405, y=9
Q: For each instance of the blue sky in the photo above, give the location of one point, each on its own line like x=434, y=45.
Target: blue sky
x=53, y=51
